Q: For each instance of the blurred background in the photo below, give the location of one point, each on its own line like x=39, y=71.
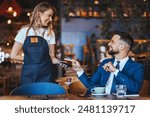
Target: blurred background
x=82, y=27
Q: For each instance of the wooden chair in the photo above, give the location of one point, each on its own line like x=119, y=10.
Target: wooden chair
x=14, y=82
x=145, y=91
x=68, y=51
x=4, y=82
x=85, y=54
x=92, y=60
x=77, y=88
x=89, y=45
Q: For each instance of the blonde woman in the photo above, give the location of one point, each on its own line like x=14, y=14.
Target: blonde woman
x=37, y=39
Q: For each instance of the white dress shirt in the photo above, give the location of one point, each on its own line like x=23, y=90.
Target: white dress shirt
x=111, y=77
x=21, y=36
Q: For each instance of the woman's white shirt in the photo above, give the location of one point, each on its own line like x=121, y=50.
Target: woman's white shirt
x=20, y=37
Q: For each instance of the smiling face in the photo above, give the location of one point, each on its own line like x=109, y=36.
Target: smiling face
x=114, y=45
x=120, y=45
x=46, y=17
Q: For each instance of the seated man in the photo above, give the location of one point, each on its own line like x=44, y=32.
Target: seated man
x=119, y=70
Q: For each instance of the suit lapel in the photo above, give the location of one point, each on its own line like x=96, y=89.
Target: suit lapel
x=125, y=69
x=127, y=65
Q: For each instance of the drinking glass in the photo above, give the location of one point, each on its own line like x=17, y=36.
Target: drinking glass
x=121, y=91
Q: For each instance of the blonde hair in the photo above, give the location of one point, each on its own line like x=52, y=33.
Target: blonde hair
x=35, y=21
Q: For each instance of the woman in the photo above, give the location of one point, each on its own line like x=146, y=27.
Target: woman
x=38, y=42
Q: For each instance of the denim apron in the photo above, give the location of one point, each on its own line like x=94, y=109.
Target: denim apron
x=37, y=65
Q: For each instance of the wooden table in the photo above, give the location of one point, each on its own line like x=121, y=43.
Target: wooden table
x=71, y=97
x=63, y=81
x=73, y=87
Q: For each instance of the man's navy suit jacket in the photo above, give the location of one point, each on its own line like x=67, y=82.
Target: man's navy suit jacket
x=131, y=75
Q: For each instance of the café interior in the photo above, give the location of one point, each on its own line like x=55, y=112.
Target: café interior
x=83, y=30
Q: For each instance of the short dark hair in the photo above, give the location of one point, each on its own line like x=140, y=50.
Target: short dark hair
x=125, y=37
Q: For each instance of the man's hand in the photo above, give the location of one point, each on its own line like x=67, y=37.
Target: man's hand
x=109, y=67
x=75, y=64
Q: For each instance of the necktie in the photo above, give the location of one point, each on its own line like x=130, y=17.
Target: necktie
x=113, y=83
x=110, y=85
x=117, y=65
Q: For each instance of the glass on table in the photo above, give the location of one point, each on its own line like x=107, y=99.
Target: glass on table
x=121, y=91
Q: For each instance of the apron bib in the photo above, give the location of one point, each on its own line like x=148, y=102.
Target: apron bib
x=37, y=65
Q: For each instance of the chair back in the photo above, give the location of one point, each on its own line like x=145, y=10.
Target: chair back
x=68, y=51
x=93, y=59
x=145, y=90
x=39, y=88
x=77, y=88
x=86, y=55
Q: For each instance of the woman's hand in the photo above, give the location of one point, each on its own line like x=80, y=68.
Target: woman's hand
x=54, y=60
x=63, y=64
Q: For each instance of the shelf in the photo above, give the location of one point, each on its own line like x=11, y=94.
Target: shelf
x=99, y=9
x=136, y=40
